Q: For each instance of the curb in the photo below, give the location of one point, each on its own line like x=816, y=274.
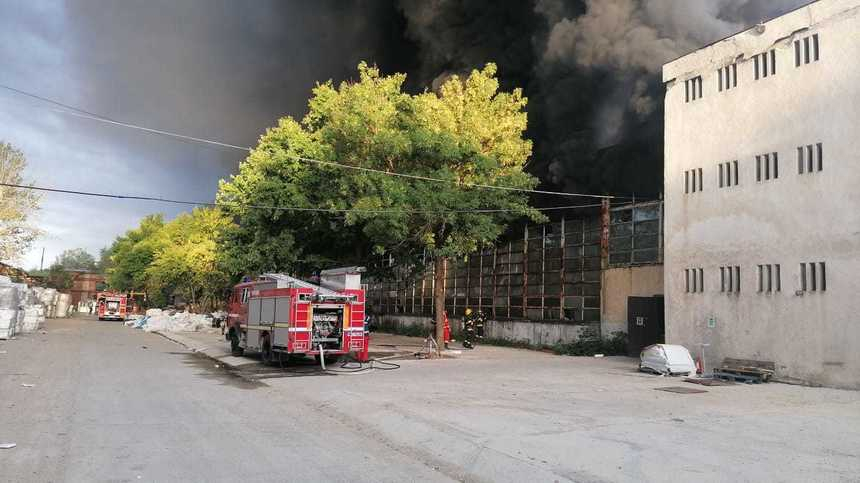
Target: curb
x=184, y=342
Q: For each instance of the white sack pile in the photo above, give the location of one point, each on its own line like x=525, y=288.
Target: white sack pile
x=157, y=320
x=64, y=305
x=8, y=309
x=21, y=308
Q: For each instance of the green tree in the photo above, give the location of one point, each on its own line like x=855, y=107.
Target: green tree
x=131, y=255
x=104, y=263
x=76, y=259
x=468, y=133
x=58, y=277
x=185, y=258
x=17, y=205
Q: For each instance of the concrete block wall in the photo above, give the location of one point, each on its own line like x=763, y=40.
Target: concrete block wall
x=534, y=333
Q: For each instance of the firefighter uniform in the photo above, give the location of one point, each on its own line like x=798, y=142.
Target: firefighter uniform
x=473, y=328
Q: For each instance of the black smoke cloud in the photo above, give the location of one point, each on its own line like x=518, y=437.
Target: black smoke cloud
x=228, y=69
x=591, y=70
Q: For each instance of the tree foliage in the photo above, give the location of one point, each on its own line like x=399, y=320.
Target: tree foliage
x=467, y=133
x=17, y=206
x=76, y=259
x=131, y=255
x=186, y=257
x=179, y=257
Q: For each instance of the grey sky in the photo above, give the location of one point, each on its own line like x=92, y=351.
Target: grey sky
x=215, y=69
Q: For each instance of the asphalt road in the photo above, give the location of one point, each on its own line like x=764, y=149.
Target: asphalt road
x=113, y=404
x=110, y=403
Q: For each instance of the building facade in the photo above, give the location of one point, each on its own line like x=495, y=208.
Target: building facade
x=85, y=285
x=762, y=196
x=543, y=284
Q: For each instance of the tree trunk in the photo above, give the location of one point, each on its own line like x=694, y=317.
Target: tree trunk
x=440, y=267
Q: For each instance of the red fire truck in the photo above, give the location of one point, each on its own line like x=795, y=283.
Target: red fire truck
x=281, y=317
x=111, y=306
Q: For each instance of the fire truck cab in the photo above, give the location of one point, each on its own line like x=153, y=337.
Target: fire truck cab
x=111, y=306
x=280, y=316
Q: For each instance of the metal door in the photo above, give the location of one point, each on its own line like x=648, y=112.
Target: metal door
x=645, y=323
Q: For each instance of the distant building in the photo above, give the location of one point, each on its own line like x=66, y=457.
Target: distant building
x=762, y=196
x=85, y=285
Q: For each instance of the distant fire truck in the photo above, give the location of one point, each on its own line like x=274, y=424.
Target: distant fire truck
x=281, y=316
x=112, y=306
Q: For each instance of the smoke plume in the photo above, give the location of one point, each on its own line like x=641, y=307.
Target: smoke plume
x=590, y=68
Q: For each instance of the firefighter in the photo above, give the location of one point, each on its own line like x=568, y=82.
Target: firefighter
x=473, y=328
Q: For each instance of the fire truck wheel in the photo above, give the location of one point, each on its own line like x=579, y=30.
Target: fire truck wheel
x=266, y=352
x=234, y=344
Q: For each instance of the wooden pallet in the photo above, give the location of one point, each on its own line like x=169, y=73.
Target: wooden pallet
x=745, y=370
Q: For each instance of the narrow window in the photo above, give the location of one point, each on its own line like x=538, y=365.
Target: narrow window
x=720, y=78
x=820, y=156
x=772, y=62
x=735, y=166
x=700, y=179
x=701, y=280
x=815, y=47
x=687, y=89
x=803, y=277
x=694, y=179
x=800, y=160
x=769, y=278
x=730, y=278
x=806, y=50
x=767, y=166
x=687, y=279
x=737, y=278
x=760, y=278
x=812, y=277
x=686, y=181
x=809, y=158
x=700, y=86
x=777, y=278
x=797, y=53
x=721, y=175
x=823, y=276
x=735, y=75
x=695, y=281
x=722, y=279
x=755, y=61
x=758, y=168
x=775, y=165
x=764, y=64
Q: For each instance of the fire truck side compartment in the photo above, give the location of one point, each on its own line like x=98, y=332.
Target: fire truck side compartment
x=282, y=321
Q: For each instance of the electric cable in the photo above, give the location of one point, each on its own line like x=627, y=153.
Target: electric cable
x=279, y=208
x=81, y=113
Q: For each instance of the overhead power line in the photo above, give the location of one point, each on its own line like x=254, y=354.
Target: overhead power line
x=280, y=208
x=81, y=113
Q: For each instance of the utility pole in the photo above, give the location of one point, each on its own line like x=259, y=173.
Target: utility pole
x=42, y=263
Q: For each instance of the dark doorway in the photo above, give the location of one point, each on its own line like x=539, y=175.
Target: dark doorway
x=645, y=323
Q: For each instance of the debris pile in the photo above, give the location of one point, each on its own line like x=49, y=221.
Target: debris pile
x=157, y=320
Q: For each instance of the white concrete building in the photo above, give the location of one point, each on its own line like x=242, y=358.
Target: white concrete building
x=762, y=186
